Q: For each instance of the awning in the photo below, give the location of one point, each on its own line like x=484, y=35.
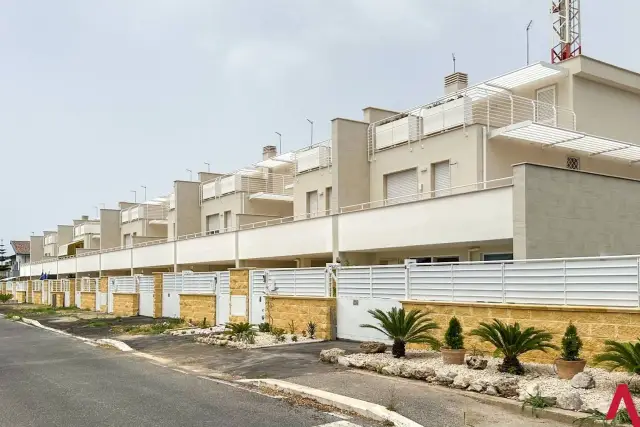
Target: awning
x=271, y=196
x=276, y=161
x=527, y=75
x=572, y=140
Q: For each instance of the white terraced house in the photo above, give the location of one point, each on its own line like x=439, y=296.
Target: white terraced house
x=540, y=162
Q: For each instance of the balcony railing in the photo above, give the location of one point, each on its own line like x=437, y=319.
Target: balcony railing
x=311, y=158
x=257, y=183
x=86, y=228
x=51, y=239
x=172, y=201
x=493, y=108
x=150, y=211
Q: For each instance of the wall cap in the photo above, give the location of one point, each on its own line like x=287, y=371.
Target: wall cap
x=301, y=297
x=241, y=268
x=534, y=307
x=187, y=294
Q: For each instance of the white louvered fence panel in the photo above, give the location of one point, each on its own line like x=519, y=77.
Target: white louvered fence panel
x=388, y=282
x=199, y=283
x=477, y=283
x=223, y=282
x=299, y=281
x=37, y=285
x=354, y=282
x=55, y=286
x=171, y=282
x=123, y=284
x=88, y=284
x=145, y=283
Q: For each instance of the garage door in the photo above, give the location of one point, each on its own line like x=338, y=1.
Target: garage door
x=401, y=187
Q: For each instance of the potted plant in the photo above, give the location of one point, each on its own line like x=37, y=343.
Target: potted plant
x=453, y=351
x=403, y=328
x=569, y=363
x=511, y=342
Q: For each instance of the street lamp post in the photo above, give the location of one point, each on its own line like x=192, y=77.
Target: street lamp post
x=311, y=123
x=280, y=146
x=145, y=192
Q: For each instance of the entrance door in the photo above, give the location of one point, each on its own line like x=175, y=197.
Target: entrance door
x=171, y=286
x=223, y=299
x=257, y=284
x=145, y=287
x=110, y=290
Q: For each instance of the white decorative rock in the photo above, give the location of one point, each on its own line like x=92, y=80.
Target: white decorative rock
x=478, y=386
x=491, y=391
x=331, y=355
x=507, y=387
x=461, y=382
x=583, y=380
x=394, y=369
x=344, y=361
x=569, y=400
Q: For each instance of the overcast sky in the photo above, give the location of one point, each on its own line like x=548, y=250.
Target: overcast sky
x=100, y=97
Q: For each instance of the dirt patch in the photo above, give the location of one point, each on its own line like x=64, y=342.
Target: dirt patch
x=95, y=327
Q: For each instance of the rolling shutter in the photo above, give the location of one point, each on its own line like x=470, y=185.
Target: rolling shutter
x=312, y=203
x=213, y=223
x=442, y=178
x=546, y=98
x=401, y=187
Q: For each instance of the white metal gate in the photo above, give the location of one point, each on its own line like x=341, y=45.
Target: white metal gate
x=145, y=298
x=361, y=289
x=257, y=283
x=45, y=292
x=171, y=288
x=222, y=298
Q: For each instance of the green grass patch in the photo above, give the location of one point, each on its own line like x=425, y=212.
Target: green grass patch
x=156, y=328
x=97, y=324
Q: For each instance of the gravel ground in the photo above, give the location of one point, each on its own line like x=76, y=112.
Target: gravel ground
x=541, y=374
x=262, y=339
x=198, y=331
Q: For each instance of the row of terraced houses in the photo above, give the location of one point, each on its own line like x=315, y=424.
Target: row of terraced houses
x=513, y=198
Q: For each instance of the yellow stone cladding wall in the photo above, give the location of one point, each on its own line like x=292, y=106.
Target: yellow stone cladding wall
x=239, y=286
x=157, y=294
x=29, y=295
x=72, y=292
x=595, y=324
x=37, y=297
x=21, y=296
x=125, y=305
x=195, y=308
x=88, y=301
x=281, y=310
x=59, y=297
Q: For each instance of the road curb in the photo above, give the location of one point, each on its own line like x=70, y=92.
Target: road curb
x=366, y=409
x=119, y=345
x=513, y=406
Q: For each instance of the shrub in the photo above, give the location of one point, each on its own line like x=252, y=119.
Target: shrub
x=278, y=334
x=511, y=342
x=304, y=332
x=311, y=329
x=5, y=297
x=625, y=355
x=414, y=327
x=292, y=327
x=247, y=337
x=453, y=336
x=294, y=338
x=204, y=324
x=571, y=344
x=236, y=329
x=264, y=327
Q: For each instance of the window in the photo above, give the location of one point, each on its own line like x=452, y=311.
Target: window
x=328, y=200
x=401, y=187
x=446, y=259
x=127, y=241
x=227, y=220
x=441, y=177
x=573, y=163
x=213, y=224
x=422, y=260
x=312, y=204
x=498, y=257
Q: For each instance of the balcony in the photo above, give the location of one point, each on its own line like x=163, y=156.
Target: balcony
x=81, y=230
x=172, y=201
x=491, y=103
x=51, y=239
x=155, y=211
x=258, y=184
x=306, y=159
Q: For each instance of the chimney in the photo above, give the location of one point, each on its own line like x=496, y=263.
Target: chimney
x=85, y=217
x=455, y=82
x=269, y=151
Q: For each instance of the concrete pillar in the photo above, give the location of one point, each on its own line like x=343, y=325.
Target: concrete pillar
x=72, y=292
x=103, y=288
x=157, y=295
x=239, y=294
x=30, y=291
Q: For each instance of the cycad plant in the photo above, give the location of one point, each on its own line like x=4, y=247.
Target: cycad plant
x=403, y=328
x=511, y=342
x=624, y=355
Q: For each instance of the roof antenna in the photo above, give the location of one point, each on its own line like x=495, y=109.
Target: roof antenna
x=453, y=56
x=528, y=28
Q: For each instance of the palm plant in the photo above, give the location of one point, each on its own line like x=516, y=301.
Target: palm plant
x=238, y=328
x=403, y=328
x=512, y=342
x=625, y=355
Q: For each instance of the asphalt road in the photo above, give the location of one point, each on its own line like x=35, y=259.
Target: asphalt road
x=51, y=380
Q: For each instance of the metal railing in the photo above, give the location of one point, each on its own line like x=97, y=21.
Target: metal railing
x=314, y=157
x=145, y=211
x=493, y=108
x=86, y=228
x=248, y=181
x=50, y=239
x=462, y=189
